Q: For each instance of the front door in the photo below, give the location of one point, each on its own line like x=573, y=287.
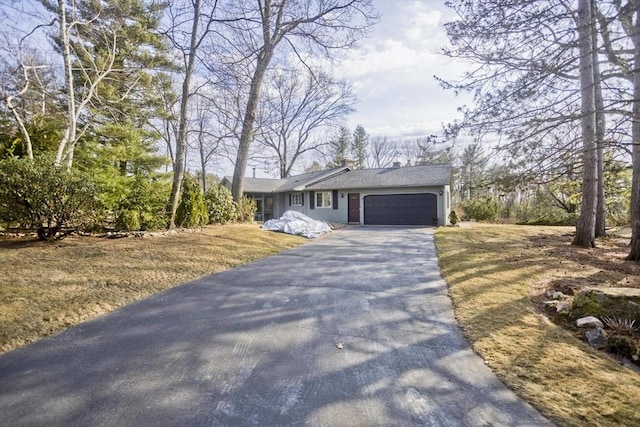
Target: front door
x=354, y=207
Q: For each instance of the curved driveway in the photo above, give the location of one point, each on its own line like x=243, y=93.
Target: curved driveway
x=256, y=345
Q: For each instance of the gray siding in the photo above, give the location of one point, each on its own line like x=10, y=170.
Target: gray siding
x=281, y=204
x=442, y=210
x=330, y=214
x=340, y=215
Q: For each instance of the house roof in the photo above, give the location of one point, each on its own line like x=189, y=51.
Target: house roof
x=408, y=176
x=258, y=185
x=293, y=183
x=302, y=182
x=339, y=178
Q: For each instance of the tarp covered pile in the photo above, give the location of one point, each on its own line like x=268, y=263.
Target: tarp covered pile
x=293, y=222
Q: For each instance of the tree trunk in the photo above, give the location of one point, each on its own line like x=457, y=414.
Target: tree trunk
x=69, y=136
x=601, y=207
x=327, y=25
x=20, y=122
x=285, y=168
x=181, y=140
x=246, y=136
x=203, y=161
x=585, y=227
x=634, y=254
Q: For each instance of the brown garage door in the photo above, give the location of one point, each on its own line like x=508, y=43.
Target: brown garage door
x=401, y=209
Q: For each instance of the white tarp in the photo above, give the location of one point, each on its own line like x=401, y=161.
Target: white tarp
x=293, y=222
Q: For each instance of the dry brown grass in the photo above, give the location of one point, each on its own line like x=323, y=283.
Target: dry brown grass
x=47, y=287
x=494, y=274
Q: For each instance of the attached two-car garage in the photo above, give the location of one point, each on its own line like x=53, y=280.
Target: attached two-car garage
x=401, y=209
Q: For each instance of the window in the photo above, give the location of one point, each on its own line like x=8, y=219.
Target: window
x=297, y=199
x=323, y=199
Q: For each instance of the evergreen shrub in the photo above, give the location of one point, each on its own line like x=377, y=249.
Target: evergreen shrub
x=143, y=205
x=128, y=219
x=247, y=209
x=453, y=218
x=481, y=209
x=192, y=212
x=543, y=210
x=220, y=206
x=41, y=196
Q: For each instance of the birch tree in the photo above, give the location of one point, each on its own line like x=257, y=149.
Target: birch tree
x=11, y=101
x=26, y=78
x=79, y=57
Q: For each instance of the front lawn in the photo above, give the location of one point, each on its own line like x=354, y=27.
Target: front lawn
x=496, y=275
x=47, y=287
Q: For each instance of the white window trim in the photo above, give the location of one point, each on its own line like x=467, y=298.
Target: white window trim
x=296, y=199
x=327, y=197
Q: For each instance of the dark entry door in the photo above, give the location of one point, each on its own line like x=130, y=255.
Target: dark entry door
x=354, y=207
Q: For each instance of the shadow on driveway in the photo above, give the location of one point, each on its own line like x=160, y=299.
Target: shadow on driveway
x=256, y=345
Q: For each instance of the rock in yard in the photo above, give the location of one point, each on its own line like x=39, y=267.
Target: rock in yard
x=589, y=321
x=558, y=295
x=563, y=306
x=597, y=338
x=622, y=303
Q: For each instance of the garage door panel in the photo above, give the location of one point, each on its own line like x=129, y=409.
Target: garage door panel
x=400, y=209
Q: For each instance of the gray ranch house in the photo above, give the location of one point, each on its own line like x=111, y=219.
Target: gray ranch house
x=411, y=195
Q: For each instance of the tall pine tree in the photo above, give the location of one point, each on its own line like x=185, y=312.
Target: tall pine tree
x=339, y=147
x=359, y=145
x=119, y=145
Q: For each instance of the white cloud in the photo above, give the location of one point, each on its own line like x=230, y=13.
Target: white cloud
x=393, y=72
x=422, y=25
x=427, y=19
x=375, y=58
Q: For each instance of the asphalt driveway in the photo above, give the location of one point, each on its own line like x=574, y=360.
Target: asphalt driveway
x=256, y=345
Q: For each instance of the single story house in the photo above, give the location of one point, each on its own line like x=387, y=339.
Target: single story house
x=411, y=195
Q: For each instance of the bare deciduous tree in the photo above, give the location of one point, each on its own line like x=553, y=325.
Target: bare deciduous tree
x=320, y=26
x=298, y=107
x=191, y=25
x=382, y=152
x=208, y=133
